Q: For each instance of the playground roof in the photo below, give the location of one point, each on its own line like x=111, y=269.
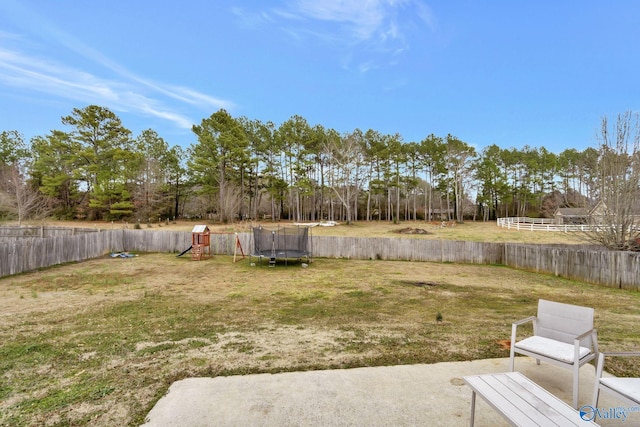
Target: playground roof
x=200, y=229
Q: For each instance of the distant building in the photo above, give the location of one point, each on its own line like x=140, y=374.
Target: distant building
x=571, y=216
x=442, y=214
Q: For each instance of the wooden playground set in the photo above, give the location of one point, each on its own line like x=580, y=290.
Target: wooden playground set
x=201, y=244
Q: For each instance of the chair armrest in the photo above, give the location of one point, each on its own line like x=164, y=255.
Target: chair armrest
x=594, y=343
x=594, y=338
x=528, y=319
x=515, y=325
x=599, y=366
x=584, y=334
x=601, y=356
x=621, y=353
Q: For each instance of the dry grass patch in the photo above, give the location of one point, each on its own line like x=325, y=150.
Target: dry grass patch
x=97, y=343
x=469, y=231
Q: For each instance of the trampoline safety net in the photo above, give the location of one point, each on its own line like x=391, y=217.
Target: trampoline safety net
x=283, y=243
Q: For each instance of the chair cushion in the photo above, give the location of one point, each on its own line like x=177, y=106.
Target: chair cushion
x=629, y=387
x=551, y=348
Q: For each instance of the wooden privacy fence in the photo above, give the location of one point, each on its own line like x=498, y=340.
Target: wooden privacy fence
x=11, y=234
x=385, y=248
x=24, y=255
x=609, y=268
x=30, y=254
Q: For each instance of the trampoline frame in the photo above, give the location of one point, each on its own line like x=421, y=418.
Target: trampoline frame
x=282, y=244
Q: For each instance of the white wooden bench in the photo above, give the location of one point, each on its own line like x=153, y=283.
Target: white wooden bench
x=521, y=401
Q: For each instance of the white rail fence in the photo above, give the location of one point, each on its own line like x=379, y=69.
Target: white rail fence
x=539, y=224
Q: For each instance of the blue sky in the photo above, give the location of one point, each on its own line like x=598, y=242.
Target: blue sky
x=509, y=73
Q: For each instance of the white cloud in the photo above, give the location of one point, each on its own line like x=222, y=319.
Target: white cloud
x=46, y=76
x=374, y=31
x=426, y=15
x=36, y=74
x=364, y=17
x=27, y=65
x=193, y=97
x=366, y=66
x=249, y=19
x=179, y=93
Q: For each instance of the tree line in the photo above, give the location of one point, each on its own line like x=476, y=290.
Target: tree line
x=245, y=168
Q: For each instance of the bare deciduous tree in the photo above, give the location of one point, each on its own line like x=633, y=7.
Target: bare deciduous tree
x=343, y=169
x=18, y=198
x=616, y=219
x=230, y=203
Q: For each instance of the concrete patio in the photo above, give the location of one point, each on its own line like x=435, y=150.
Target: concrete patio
x=406, y=395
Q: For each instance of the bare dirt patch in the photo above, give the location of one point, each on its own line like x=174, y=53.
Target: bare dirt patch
x=411, y=230
x=418, y=283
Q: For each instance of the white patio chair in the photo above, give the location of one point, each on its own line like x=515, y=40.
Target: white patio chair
x=563, y=335
x=624, y=389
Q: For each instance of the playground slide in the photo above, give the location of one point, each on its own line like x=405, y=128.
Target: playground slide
x=185, y=251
